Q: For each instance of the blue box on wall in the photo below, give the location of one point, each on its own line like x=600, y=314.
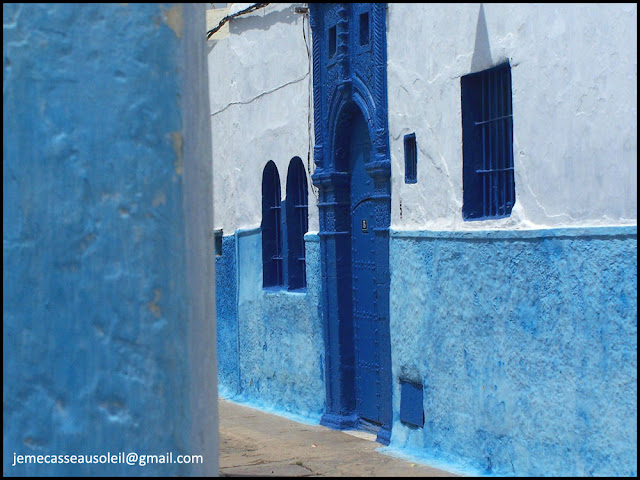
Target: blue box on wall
x=411, y=403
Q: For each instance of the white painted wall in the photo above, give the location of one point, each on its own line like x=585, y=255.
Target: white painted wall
x=261, y=93
x=574, y=79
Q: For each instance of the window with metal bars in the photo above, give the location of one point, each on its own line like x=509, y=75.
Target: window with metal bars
x=487, y=144
x=297, y=223
x=271, y=230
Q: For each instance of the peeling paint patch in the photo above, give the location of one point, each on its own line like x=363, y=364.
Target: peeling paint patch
x=159, y=199
x=87, y=241
x=153, y=305
x=115, y=411
x=175, y=19
x=177, y=147
x=137, y=233
x=31, y=442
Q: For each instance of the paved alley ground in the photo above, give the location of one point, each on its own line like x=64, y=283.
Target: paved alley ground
x=254, y=443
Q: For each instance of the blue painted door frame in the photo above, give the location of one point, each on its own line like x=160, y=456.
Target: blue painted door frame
x=353, y=171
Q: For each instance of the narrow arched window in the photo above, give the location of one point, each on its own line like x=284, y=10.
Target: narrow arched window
x=271, y=231
x=297, y=223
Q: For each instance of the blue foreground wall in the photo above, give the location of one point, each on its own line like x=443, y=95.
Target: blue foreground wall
x=271, y=346
x=525, y=344
x=106, y=146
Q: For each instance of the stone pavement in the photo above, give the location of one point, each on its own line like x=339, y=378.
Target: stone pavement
x=254, y=443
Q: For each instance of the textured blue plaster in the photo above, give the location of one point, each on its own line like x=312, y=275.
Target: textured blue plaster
x=277, y=363
x=94, y=296
x=226, y=315
x=526, y=346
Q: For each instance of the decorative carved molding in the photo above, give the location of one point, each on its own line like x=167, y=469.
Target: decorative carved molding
x=357, y=77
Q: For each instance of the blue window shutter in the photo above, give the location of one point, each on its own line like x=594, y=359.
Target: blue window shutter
x=297, y=223
x=271, y=229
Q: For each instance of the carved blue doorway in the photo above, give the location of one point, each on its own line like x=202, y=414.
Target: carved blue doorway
x=352, y=174
x=369, y=336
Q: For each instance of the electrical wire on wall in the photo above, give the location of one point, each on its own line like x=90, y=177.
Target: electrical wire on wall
x=238, y=9
x=306, y=36
x=252, y=7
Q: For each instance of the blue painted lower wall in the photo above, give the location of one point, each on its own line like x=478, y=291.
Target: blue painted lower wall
x=525, y=344
x=270, y=341
x=526, y=347
x=226, y=316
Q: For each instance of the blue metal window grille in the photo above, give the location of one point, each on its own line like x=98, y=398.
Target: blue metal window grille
x=333, y=38
x=364, y=28
x=487, y=144
x=297, y=223
x=271, y=230
x=410, y=159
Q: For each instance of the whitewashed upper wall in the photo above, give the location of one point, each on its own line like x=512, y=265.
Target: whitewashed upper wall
x=261, y=93
x=574, y=80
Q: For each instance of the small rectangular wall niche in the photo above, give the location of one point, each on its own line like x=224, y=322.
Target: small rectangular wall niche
x=411, y=403
x=364, y=28
x=217, y=234
x=333, y=41
x=410, y=159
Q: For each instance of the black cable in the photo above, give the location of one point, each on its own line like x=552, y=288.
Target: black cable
x=224, y=20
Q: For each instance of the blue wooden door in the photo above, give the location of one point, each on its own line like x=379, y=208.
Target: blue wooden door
x=368, y=385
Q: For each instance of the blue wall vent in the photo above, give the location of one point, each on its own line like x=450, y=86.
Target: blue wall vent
x=411, y=403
